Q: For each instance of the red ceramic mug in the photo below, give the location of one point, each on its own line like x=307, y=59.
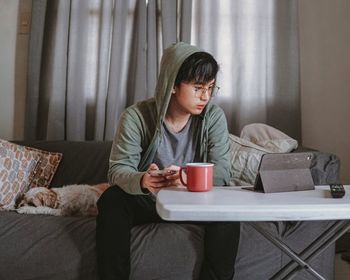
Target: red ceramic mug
x=199, y=176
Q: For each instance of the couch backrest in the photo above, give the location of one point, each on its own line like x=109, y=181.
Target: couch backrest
x=84, y=162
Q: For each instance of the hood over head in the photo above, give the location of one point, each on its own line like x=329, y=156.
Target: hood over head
x=172, y=59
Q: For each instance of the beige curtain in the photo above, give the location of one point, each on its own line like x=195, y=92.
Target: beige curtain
x=256, y=44
x=89, y=59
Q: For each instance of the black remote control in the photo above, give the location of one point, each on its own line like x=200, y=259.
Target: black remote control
x=337, y=190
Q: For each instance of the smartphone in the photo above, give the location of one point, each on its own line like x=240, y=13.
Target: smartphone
x=164, y=172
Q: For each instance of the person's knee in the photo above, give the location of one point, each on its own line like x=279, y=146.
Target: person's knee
x=112, y=197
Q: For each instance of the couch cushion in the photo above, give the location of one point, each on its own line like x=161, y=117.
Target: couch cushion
x=46, y=247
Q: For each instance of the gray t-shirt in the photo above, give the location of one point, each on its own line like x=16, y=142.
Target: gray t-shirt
x=176, y=148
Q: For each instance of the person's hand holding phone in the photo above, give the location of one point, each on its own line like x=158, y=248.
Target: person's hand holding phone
x=155, y=179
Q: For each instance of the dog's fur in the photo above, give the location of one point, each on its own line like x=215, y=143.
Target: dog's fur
x=71, y=200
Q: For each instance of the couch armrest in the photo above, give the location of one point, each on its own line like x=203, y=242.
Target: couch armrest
x=325, y=167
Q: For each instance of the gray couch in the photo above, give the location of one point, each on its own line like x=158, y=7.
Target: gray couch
x=63, y=248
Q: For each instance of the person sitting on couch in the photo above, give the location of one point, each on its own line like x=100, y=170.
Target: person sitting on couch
x=177, y=126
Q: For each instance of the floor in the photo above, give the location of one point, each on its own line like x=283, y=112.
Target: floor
x=342, y=268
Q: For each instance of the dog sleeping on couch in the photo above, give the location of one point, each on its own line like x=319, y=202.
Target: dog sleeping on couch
x=71, y=200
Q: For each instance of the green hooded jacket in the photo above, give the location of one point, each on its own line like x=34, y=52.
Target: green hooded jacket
x=139, y=130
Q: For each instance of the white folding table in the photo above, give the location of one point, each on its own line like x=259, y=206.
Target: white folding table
x=237, y=204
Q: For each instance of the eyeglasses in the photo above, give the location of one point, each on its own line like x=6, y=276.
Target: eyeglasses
x=200, y=91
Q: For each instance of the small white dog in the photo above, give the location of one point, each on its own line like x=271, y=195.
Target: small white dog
x=71, y=200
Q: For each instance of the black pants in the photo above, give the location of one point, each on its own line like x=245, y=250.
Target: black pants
x=119, y=212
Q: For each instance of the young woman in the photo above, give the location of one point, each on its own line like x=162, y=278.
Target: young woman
x=177, y=126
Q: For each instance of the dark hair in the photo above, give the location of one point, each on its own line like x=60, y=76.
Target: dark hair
x=200, y=67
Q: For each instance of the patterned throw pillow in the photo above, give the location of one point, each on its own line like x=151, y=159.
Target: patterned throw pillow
x=17, y=164
x=22, y=168
x=46, y=168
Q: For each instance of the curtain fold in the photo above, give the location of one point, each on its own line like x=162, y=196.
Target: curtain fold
x=90, y=59
x=125, y=52
x=34, y=69
x=256, y=43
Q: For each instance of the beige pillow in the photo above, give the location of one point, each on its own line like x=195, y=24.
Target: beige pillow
x=245, y=159
x=269, y=138
x=247, y=150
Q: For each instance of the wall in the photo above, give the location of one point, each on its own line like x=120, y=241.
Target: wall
x=325, y=73
x=8, y=27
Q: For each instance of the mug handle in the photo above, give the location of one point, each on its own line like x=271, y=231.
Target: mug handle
x=180, y=173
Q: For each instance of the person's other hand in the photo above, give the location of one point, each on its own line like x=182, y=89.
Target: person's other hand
x=174, y=180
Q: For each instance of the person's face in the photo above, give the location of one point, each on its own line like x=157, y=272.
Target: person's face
x=191, y=97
